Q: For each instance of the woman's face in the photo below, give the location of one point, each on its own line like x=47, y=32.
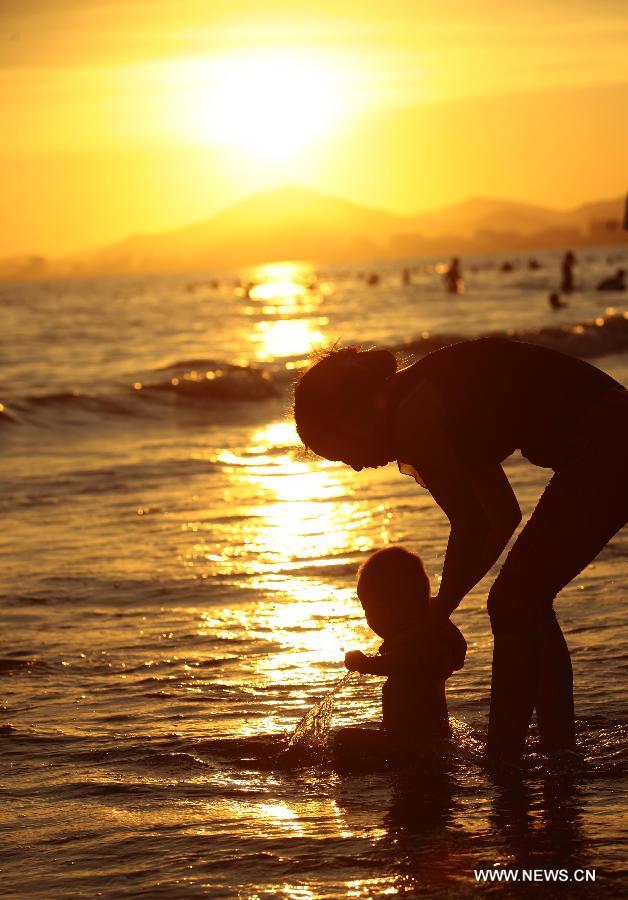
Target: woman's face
x=361, y=429
x=367, y=454
x=371, y=465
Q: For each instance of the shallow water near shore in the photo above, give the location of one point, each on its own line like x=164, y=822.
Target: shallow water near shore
x=178, y=590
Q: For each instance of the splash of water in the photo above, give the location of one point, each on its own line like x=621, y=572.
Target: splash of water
x=310, y=735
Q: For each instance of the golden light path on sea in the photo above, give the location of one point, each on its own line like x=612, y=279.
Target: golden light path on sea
x=295, y=533
x=288, y=294
x=303, y=525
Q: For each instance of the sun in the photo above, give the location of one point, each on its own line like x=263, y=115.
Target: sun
x=271, y=104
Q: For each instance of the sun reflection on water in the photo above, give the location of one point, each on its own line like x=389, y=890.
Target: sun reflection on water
x=289, y=545
x=369, y=887
x=290, y=517
x=290, y=294
x=315, y=817
x=288, y=337
x=307, y=517
x=283, y=434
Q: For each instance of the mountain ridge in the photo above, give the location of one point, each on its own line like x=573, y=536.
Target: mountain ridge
x=292, y=221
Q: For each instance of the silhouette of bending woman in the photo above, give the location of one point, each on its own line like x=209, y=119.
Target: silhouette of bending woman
x=450, y=420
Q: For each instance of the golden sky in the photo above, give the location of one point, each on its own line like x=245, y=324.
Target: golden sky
x=143, y=115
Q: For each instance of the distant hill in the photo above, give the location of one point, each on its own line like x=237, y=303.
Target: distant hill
x=487, y=213
x=292, y=222
x=288, y=222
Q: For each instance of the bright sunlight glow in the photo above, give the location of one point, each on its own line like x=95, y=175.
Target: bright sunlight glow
x=270, y=103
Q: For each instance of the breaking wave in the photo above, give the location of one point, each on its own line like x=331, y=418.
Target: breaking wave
x=596, y=337
x=206, y=384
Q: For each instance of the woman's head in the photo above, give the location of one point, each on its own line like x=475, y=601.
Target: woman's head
x=335, y=406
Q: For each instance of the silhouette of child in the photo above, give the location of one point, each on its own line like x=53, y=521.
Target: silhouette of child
x=394, y=591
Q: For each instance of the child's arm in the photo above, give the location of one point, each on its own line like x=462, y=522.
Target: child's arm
x=437, y=652
x=409, y=655
x=356, y=661
x=395, y=663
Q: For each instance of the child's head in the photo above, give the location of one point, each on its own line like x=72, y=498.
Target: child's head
x=394, y=590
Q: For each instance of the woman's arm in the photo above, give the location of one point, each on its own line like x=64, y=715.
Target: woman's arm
x=472, y=553
x=481, y=507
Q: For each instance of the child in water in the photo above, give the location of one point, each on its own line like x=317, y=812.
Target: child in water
x=394, y=591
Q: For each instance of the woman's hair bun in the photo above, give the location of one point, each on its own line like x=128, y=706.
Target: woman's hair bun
x=380, y=362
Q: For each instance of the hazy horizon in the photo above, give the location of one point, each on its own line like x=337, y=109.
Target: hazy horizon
x=126, y=119
x=470, y=199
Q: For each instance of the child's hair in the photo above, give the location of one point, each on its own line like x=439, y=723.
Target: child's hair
x=396, y=576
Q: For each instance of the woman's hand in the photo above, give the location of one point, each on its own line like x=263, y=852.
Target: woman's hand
x=356, y=661
x=437, y=612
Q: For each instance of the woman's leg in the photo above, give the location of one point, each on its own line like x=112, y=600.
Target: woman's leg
x=554, y=695
x=514, y=679
x=580, y=510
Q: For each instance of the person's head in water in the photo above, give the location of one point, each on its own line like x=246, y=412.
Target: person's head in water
x=339, y=404
x=554, y=300
x=394, y=591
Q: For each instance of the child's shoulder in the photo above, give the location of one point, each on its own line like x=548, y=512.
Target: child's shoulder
x=440, y=651
x=400, y=642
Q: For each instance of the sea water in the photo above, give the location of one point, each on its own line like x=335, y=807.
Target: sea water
x=178, y=590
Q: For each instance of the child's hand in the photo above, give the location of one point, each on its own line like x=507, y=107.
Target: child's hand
x=356, y=661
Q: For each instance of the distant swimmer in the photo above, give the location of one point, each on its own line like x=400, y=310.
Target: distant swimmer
x=373, y=279
x=506, y=267
x=617, y=282
x=453, y=277
x=566, y=267
x=406, y=277
x=555, y=302
x=534, y=264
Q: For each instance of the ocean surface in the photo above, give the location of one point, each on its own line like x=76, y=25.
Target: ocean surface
x=177, y=590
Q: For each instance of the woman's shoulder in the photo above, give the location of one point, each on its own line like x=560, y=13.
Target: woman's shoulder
x=413, y=413
x=456, y=358
x=484, y=363
x=459, y=367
